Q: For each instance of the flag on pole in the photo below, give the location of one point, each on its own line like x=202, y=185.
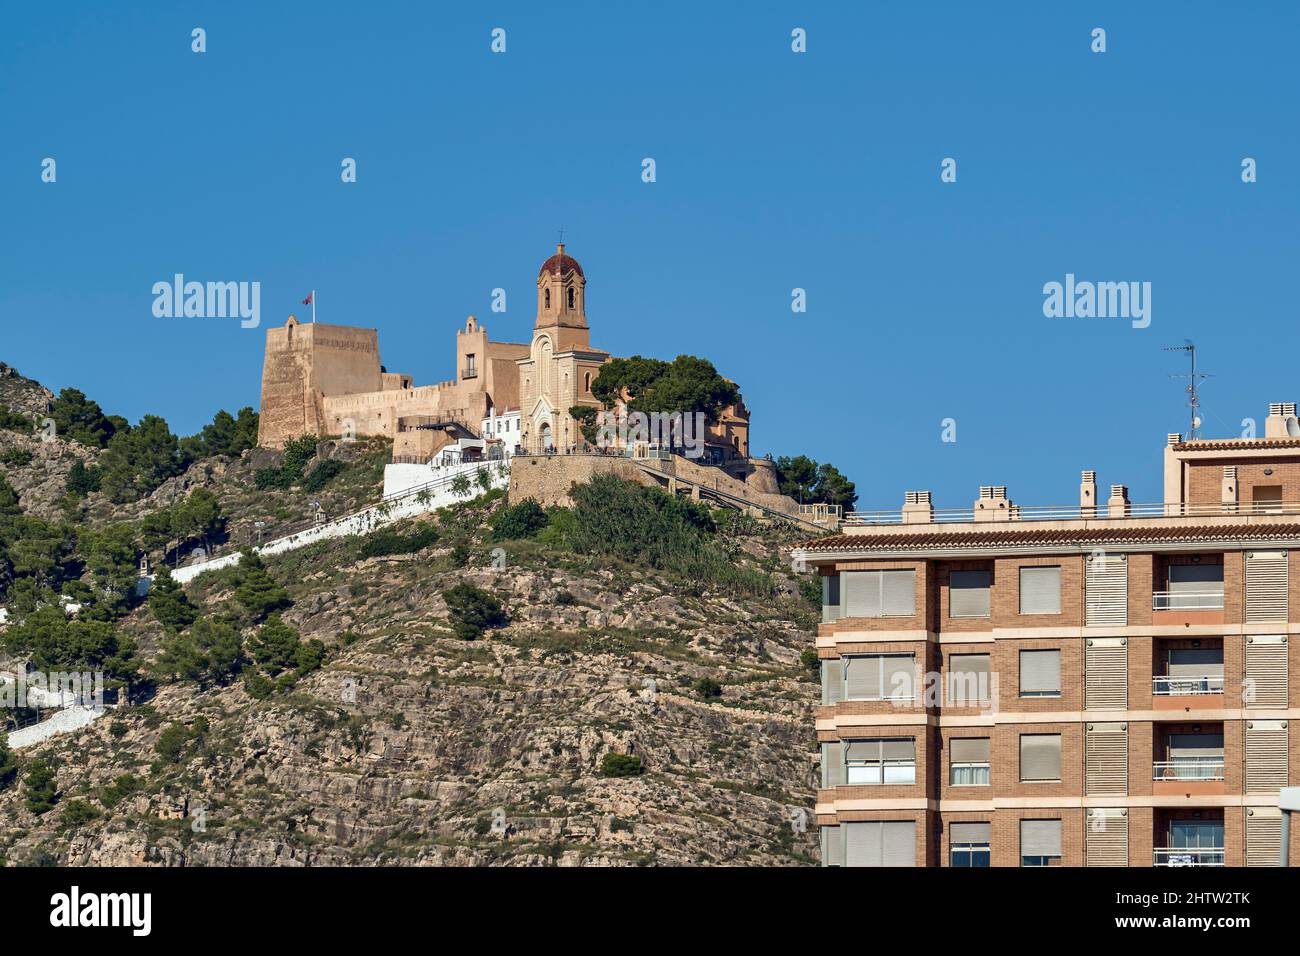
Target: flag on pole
x=311, y=301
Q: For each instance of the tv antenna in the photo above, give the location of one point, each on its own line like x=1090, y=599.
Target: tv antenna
x=1193, y=378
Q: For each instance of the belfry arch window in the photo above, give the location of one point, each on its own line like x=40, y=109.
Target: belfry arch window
x=548, y=298
x=571, y=297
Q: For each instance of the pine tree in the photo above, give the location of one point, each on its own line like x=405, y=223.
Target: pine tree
x=168, y=602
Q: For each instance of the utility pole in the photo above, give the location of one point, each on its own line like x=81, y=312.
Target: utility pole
x=1193, y=379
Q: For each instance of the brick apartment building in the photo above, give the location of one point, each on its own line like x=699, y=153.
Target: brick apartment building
x=1100, y=685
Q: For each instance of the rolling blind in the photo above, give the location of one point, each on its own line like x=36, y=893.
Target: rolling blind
x=1195, y=578
x=879, y=593
x=1266, y=586
x=1040, y=837
x=961, y=833
x=862, y=678
x=1266, y=672
x=899, y=843
x=832, y=765
x=1106, y=842
x=898, y=589
x=862, y=844
x=1263, y=836
x=1040, y=590
x=832, y=846
x=1196, y=662
x=832, y=681
x=968, y=750
x=1105, y=673
x=968, y=678
x=898, y=676
x=1106, y=590
x=884, y=843
x=1040, y=672
x=1106, y=759
x=1266, y=756
x=968, y=593
x=1040, y=757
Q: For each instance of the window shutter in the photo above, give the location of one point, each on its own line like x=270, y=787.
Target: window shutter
x=860, y=592
x=968, y=593
x=862, y=844
x=968, y=750
x=1266, y=586
x=1105, y=667
x=1266, y=755
x=1040, y=590
x=1106, y=759
x=1040, y=672
x=1040, y=837
x=862, y=678
x=1263, y=836
x=969, y=833
x=898, y=748
x=833, y=764
x=899, y=843
x=1106, y=590
x=899, y=676
x=898, y=589
x=968, y=679
x=1266, y=672
x=1040, y=757
x=832, y=846
x=1106, y=842
x=1195, y=578
x=832, y=681
x=862, y=749
x=830, y=598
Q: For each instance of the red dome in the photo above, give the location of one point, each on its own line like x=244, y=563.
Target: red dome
x=560, y=263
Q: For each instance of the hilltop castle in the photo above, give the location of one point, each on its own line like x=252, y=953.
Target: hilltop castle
x=327, y=380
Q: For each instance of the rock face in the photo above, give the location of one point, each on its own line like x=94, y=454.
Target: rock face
x=411, y=747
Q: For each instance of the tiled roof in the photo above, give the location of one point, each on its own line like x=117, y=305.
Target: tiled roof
x=1236, y=444
x=1003, y=535
x=560, y=263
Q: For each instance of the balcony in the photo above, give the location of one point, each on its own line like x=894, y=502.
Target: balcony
x=1187, y=600
x=1187, y=856
x=1188, y=768
x=469, y=372
x=1184, y=686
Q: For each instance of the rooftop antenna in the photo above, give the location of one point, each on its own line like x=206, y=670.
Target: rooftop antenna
x=1193, y=378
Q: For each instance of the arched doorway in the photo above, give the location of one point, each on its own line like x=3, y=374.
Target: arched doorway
x=547, y=441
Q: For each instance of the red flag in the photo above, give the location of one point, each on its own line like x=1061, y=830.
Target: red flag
x=307, y=301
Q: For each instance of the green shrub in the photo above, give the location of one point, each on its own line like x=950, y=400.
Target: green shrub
x=16, y=457
x=321, y=475
x=83, y=479
x=707, y=687
x=42, y=787
x=387, y=541
x=808, y=658
x=473, y=611
x=524, y=520
x=77, y=813
x=620, y=765
x=8, y=764
x=125, y=785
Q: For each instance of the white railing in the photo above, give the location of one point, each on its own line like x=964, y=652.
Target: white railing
x=1074, y=513
x=1187, y=856
x=1188, y=768
x=1186, y=686
x=1187, y=600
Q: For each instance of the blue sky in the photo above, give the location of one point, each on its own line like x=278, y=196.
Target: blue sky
x=775, y=171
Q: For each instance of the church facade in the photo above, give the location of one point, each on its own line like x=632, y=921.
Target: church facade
x=327, y=380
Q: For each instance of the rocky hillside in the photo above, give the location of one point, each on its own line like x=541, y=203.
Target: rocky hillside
x=410, y=745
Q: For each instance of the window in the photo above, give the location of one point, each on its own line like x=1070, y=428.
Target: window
x=880, y=843
x=571, y=297
x=548, y=298
x=1040, y=842
x=968, y=843
x=1040, y=590
x=1040, y=758
x=880, y=677
x=968, y=761
x=1040, y=673
x=968, y=680
x=968, y=593
x=830, y=598
x=879, y=593
x=586, y=381
x=880, y=760
x=471, y=363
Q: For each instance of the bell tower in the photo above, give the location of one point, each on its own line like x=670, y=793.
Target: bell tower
x=561, y=291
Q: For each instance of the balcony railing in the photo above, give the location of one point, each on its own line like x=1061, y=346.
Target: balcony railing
x=1188, y=856
x=1074, y=512
x=1187, y=600
x=1186, y=686
x=469, y=372
x=1188, y=768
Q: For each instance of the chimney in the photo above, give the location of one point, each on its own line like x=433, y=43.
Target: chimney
x=1229, y=497
x=1088, y=495
x=1281, y=421
x=992, y=504
x=917, y=508
x=1117, y=506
